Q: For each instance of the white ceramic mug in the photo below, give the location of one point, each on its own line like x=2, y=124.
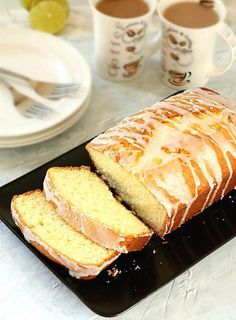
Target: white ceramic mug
x=187, y=54
x=121, y=44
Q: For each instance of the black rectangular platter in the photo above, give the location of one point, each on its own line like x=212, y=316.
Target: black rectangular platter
x=142, y=272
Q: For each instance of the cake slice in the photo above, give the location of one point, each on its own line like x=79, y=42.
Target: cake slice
x=53, y=237
x=87, y=204
x=172, y=160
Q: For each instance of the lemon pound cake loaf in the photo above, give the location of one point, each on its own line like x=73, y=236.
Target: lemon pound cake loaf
x=53, y=237
x=85, y=202
x=172, y=160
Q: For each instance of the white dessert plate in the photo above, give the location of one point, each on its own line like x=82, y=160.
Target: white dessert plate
x=47, y=58
x=45, y=135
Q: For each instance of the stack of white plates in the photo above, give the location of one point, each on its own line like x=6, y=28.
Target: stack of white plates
x=41, y=56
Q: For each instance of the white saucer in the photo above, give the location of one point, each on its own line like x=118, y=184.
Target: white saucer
x=45, y=57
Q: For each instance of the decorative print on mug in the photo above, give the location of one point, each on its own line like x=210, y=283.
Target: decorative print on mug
x=121, y=41
x=178, y=46
x=132, y=68
x=128, y=42
x=178, y=78
x=113, y=67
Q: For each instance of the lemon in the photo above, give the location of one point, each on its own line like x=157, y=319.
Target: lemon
x=27, y=4
x=63, y=3
x=48, y=16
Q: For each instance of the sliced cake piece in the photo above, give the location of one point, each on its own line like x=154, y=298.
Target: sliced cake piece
x=87, y=204
x=53, y=237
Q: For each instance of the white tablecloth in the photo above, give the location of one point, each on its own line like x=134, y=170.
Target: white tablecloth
x=28, y=290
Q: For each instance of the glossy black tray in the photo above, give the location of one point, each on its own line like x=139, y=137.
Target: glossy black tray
x=141, y=272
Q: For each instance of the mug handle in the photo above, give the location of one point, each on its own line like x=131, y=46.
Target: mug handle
x=227, y=34
x=155, y=43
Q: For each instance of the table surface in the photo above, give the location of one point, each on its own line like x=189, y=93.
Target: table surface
x=28, y=290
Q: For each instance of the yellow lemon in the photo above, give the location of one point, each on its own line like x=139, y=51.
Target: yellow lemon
x=63, y=3
x=48, y=16
x=27, y=4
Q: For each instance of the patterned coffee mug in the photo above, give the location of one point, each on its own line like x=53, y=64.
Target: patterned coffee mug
x=187, y=54
x=121, y=45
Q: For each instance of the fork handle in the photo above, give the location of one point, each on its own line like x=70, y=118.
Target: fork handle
x=13, y=74
x=30, y=93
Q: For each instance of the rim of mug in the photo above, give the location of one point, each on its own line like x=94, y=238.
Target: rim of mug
x=221, y=16
x=150, y=11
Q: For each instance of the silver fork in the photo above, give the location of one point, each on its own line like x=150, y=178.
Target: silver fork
x=35, y=110
x=58, y=90
x=62, y=90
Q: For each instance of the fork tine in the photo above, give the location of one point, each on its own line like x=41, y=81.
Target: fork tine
x=64, y=91
x=66, y=87
x=42, y=108
x=27, y=115
x=31, y=114
x=37, y=110
x=76, y=93
x=32, y=110
x=61, y=85
x=59, y=96
x=61, y=91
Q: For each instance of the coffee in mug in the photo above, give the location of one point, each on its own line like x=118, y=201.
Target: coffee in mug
x=191, y=14
x=123, y=8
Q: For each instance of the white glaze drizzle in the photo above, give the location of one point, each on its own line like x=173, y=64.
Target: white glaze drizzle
x=187, y=121
x=76, y=270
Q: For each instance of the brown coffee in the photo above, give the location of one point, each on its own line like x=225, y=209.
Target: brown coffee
x=191, y=14
x=123, y=8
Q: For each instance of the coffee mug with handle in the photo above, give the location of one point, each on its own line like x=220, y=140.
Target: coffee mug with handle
x=187, y=54
x=121, y=44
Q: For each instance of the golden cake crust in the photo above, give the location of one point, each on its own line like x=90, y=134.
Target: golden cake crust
x=182, y=149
